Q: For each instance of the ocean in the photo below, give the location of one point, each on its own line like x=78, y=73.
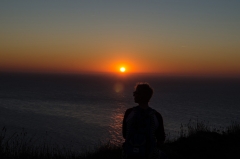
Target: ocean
x=81, y=111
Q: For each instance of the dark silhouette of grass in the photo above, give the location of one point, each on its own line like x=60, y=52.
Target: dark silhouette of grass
x=196, y=141
x=201, y=141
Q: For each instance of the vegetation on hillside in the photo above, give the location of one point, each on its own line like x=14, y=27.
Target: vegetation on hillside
x=196, y=141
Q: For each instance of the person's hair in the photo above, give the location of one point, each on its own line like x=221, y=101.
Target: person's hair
x=145, y=89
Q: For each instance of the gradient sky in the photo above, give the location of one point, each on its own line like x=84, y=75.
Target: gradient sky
x=168, y=37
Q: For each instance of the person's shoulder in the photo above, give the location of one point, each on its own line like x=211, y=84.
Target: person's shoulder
x=128, y=113
x=132, y=108
x=158, y=115
x=129, y=110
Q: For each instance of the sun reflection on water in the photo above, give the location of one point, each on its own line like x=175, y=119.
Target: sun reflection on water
x=115, y=128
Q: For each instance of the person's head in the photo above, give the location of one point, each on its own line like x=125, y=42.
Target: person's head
x=143, y=93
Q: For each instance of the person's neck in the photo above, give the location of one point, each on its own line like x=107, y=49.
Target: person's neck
x=143, y=105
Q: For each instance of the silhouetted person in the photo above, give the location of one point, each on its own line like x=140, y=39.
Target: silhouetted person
x=142, y=127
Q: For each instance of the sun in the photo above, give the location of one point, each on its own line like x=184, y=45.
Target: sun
x=122, y=69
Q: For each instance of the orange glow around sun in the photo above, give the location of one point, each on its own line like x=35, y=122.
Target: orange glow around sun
x=122, y=69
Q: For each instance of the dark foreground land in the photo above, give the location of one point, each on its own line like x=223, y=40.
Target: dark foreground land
x=196, y=141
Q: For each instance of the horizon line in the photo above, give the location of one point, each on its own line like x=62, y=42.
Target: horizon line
x=178, y=75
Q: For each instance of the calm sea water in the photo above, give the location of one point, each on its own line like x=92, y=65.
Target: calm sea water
x=82, y=110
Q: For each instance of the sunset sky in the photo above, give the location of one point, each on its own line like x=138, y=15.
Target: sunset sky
x=181, y=37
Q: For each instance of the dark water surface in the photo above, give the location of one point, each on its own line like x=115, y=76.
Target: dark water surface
x=81, y=110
